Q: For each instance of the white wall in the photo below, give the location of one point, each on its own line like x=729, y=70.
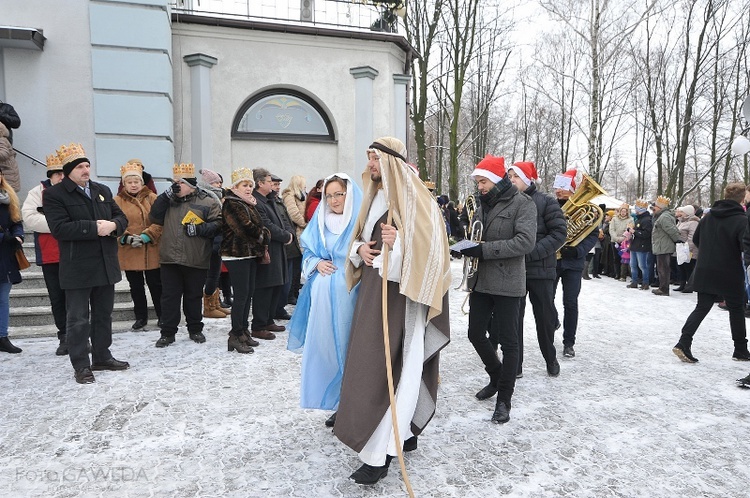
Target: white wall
x=250, y=61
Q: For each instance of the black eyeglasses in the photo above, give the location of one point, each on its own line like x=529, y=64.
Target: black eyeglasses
x=337, y=195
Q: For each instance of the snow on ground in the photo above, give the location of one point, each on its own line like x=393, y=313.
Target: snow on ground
x=625, y=417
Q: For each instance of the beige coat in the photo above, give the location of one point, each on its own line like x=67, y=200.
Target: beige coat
x=8, y=163
x=296, y=210
x=137, y=208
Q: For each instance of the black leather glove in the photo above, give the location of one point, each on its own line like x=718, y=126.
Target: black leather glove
x=173, y=190
x=473, y=252
x=569, y=252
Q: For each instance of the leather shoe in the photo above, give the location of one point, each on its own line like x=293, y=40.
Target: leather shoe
x=487, y=391
x=197, y=337
x=248, y=339
x=331, y=421
x=139, y=324
x=368, y=475
x=410, y=444
x=84, y=376
x=263, y=334
x=275, y=328
x=8, y=347
x=283, y=316
x=502, y=412
x=110, y=364
x=553, y=368
x=164, y=341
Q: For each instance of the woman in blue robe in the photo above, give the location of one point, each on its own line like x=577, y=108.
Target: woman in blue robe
x=321, y=321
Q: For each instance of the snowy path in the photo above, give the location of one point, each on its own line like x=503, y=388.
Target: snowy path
x=625, y=417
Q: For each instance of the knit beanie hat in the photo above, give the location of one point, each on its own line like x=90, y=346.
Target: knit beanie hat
x=210, y=177
x=688, y=210
x=491, y=167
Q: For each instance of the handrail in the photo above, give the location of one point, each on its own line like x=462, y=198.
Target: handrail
x=33, y=159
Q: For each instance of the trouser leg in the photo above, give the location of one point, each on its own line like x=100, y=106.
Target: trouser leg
x=51, y=273
x=702, y=307
x=171, y=297
x=153, y=280
x=138, y=294
x=542, y=297
x=571, y=281
x=102, y=303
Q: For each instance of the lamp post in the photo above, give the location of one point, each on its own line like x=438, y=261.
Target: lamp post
x=741, y=144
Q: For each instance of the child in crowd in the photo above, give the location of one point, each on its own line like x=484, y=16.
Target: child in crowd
x=624, y=251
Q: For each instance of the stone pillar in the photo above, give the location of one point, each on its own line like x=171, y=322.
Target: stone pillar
x=200, y=109
x=400, y=106
x=364, y=112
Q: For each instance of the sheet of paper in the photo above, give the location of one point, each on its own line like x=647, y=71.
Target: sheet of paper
x=463, y=244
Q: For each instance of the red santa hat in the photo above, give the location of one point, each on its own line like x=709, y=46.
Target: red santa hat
x=566, y=181
x=491, y=167
x=526, y=171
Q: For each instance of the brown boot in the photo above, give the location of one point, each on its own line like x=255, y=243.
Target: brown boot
x=217, y=305
x=235, y=343
x=209, y=311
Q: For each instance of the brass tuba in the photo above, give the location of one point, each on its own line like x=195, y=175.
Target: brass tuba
x=474, y=234
x=582, y=216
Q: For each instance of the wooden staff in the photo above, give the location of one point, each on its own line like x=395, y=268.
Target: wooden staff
x=388, y=369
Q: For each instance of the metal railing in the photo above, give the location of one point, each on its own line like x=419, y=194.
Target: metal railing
x=339, y=14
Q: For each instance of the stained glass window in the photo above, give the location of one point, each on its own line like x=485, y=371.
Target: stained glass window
x=282, y=115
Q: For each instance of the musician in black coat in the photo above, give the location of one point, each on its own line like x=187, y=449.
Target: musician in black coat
x=541, y=263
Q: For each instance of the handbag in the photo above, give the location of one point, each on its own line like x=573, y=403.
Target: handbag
x=683, y=252
x=23, y=263
x=266, y=259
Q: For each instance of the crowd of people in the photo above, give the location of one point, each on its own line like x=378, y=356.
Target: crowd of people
x=368, y=271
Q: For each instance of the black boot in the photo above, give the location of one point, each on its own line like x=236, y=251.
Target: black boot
x=490, y=389
x=62, y=349
x=8, y=347
x=502, y=412
x=367, y=474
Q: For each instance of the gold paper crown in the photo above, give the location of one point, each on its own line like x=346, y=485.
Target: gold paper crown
x=71, y=152
x=641, y=203
x=663, y=202
x=131, y=169
x=242, y=175
x=430, y=185
x=183, y=170
x=53, y=163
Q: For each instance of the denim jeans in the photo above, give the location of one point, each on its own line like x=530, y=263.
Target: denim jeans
x=639, y=259
x=4, y=307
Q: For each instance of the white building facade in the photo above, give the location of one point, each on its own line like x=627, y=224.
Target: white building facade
x=133, y=79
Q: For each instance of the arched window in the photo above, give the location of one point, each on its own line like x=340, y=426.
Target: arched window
x=282, y=114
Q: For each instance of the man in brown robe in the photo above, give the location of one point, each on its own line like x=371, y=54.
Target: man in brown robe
x=418, y=278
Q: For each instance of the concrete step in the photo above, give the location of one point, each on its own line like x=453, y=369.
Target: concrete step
x=31, y=279
x=42, y=315
x=51, y=331
x=38, y=296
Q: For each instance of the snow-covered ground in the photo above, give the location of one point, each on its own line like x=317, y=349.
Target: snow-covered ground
x=624, y=418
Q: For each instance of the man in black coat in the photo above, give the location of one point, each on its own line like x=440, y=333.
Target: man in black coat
x=551, y=230
x=270, y=278
x=86, y=222
x=718, y=271
x=293, y=250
